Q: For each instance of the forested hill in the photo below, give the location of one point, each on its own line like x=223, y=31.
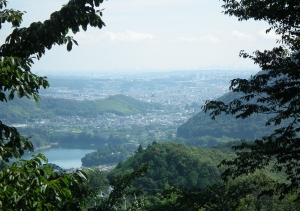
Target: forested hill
x=175, y=164
x=224, y=125
x=20, y=109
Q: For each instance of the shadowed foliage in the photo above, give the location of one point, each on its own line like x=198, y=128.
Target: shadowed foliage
x=274, y=91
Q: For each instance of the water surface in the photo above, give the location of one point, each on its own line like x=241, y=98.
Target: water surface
x=65, y=158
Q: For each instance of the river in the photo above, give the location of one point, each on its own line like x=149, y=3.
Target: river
x=65, y=158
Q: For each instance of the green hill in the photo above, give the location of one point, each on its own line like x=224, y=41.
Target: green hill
x=20, y=109
x=225, y=125
x=175, y=164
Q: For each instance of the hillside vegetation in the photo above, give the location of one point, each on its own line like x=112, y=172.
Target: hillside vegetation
x=225, y=125
x=20, y=109
x=188, y=178
x=174, y=164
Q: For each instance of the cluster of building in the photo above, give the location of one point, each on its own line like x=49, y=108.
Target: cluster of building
x=182, y=92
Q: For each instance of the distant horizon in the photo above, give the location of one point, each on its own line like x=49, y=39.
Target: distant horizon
x=124, y=73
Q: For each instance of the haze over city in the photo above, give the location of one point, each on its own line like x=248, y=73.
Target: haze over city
x=146, y=36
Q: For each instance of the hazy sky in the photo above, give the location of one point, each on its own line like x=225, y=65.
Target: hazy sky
x=152, y=35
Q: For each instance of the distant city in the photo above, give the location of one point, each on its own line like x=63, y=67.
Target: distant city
x=169, y=88
x=182, y=92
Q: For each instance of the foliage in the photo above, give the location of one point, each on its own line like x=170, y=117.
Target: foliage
x=50, y=108
x=86, y=137
x=273, y=91
x=201, y=124
x=30, y=185
x=245, y=193
x=174, y=164
x=12, y=144
x=97, y=179
x=110, y=154
x=122, y=190
x=25, y=44
x=204, y=141
x=155, y=192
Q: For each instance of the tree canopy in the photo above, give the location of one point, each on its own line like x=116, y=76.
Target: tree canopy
x=30, y=185
x=275, y=90
x=24, y=45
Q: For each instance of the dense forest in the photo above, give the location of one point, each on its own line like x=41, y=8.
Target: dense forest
x=188, y=178
x=109, y=154
x=174, y=164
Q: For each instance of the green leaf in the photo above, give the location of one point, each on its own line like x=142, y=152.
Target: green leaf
x=43, y=188
x=69, y=46
x=82, y=174
x=97, y=3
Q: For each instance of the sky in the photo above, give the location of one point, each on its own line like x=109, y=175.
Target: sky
x=151, y=35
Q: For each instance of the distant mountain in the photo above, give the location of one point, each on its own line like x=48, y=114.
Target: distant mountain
x=20, y=109
x=225, y=125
